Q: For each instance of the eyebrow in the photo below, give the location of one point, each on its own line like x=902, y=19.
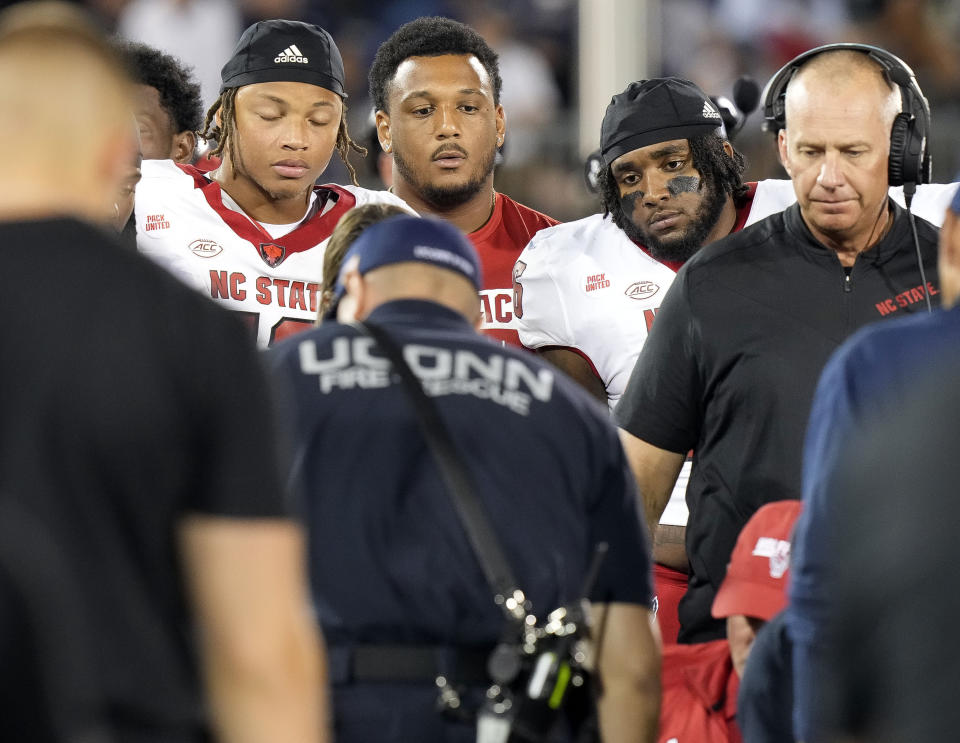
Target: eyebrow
x=428, y=94
x=282, y=102
x=672, y=149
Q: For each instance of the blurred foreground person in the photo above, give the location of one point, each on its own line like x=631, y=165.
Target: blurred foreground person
x=121, y=436
x=868, y=383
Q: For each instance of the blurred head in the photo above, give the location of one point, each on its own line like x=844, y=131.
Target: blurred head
x=167, y=103
x=839, y=111
x=280, y=114
x=66, y=140
x=668, y=171
x=436, y=86
x=409, y=257
x=948, y=260
x=754, y=589
x=347, y=230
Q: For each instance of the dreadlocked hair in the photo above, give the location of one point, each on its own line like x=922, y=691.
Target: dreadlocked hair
x=715, y=166
x=223, y=133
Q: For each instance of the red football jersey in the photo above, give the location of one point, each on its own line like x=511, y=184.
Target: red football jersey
x=498, y=243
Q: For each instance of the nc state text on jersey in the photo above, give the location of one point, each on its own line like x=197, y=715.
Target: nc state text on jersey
x=297, y=295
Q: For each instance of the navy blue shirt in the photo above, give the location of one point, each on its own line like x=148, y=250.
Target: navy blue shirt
x=874, y=372
x=389, y=559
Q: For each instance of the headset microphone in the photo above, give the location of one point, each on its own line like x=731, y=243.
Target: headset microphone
x=746, y=94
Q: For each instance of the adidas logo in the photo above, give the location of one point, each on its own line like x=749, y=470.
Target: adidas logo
x=709, y=112
x=291, y=54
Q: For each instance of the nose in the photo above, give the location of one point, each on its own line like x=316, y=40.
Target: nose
x=295, y=134
x=447, y=124
x=654, y=187
x=831, y=171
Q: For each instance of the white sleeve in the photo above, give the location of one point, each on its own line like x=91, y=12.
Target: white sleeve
x=537, y=300
x=930, y=202
x=772, y=196
x=155, y=199
x=368, y=196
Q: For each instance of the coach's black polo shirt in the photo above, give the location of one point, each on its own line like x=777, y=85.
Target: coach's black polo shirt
x=731, y=363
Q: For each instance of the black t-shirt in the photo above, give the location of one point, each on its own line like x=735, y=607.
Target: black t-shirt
x=731, y=363
x=389, y=560
x=127, y=401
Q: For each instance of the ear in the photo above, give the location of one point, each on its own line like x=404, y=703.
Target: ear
x=183, y=146
x=782, y=150
x=728, y=148
x=501, y=122
x=357, y=290
x=478, y=320
x=382, y=119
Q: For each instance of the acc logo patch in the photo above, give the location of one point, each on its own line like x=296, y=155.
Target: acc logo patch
x=205, y=248
x=642, y=290
x=272, y=254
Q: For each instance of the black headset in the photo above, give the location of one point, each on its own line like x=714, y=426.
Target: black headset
x=910, y=163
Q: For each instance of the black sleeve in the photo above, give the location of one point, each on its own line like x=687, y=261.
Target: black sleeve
x=615, y=519
x=237, y=470
x=661, y=404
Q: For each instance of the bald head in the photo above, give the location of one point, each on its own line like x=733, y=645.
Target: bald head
x=835, y=74
x=66, y=142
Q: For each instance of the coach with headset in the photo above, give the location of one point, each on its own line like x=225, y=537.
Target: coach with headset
x=731, y=363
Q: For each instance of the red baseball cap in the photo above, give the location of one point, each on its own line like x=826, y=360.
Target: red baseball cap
x=756, y=581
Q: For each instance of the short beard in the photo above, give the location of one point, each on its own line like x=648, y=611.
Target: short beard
x=442, y=198
x=683, y=247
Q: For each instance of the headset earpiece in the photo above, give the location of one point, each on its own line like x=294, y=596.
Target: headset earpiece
x=899, y=134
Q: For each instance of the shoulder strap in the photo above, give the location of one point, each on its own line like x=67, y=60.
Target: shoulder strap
x=474, y=519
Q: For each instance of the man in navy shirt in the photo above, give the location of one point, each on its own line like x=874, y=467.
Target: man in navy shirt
x=393, y=573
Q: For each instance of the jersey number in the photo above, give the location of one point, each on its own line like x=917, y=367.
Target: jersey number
x=283, y=328
x=518, y=268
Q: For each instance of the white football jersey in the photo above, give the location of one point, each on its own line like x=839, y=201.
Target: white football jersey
x=585, y=286
x=183, y=224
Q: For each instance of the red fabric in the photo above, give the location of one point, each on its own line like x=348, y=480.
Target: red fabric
x=499, y=243
x=669, y=585
x=307, y=235
x=699, y=694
